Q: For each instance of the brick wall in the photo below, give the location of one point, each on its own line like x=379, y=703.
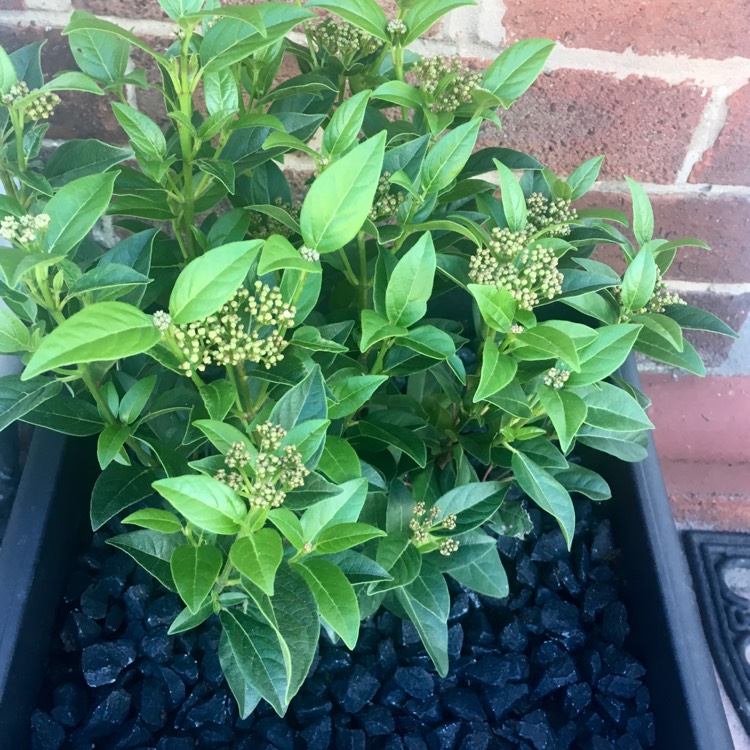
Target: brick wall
x=662, y=88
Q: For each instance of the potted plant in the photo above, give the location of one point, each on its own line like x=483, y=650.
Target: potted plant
x=311, y=409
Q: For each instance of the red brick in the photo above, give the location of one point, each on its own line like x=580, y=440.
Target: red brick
x=722, y=222
x=700, y=419
x=642, y=125
x=11, y=5
x=720, y=511
x=122, y=8
x=79, y=115
x=689, y=27
x=727, y=162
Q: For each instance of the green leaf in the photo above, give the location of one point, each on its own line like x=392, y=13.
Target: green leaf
x=517, y=68
x=204, y=501
x=484, y=572
x=100, y=54
x=401, y=438
x=364, y=14
x=14, y=336
x=512, y=399
x=81, y=158
x=209, y=281
x=401, y=93
x=344, y=536
x=176, y=9
x=627, y=446
x=584, y=481
x=427, y=602
x=639, y=281
x=496, y=304
x=612, y=408
x=18, y=398
x=497, y=371
x=662, y=327
x=566, y=411
x=72, y=81
x=195, y=570
x=218, y=397
x=400, y=558
x=116, y=488
x=693, y=318
x=643, y=214
x=186, y=620
x=334, y=596
x=308, y=438
x=339, y=201
x=278, y=254
x=512, y=519
x=8, y=76
x=257, y=557
x=289, y=525
x=339, y=461
x=152, y=550
x=135, y=400
x=546, y=342
x=546, y=492
x=514, y=201
x=74, y=210
x=306, y=400
x=111, y=440
x=220, y=91
x=144, y=133
x=27, y=63
x=308, y=337
x=602, y=357
x=423, y=14
x=108, y=282
x=71, y=416
x=655, y=347
x=100, y=332
x=245, y=694
x=223, y=435
x=344, y=507
x=584, y=176
x=448, y=156
x=221, y=170
x=410, y=286
x=343, y=129
x=429, y=341
x=155, y=519
x=351, y=393
x=376, y=328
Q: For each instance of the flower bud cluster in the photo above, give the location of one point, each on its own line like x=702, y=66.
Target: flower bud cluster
x=543, y=212
x=24, y=230
x=423, y=523
x=278, y=469
x=262, y=226
x=248, y=328
x=162, y=321
x=343, y=39
x=449, y=83
x=396, y=27
x=556, y=378
x=310, y=255
x=41, y=106
x=386, y=203
x=530, y=274
x=662, y=297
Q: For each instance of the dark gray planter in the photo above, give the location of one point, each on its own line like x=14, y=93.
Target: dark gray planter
x=49, y=520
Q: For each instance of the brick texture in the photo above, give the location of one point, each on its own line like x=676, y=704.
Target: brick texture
x=79, y=115
x=698, y=28
x=643, y=125
x=722, y=222
x=728, y=161
x=11, y=4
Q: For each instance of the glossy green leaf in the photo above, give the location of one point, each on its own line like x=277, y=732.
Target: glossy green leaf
x=422, y=15
x=205, y=502
x=208, y=282
x=14, y=336
x=696, y=319
x=496, y=305
x=155, y=519
x=81, y=158
x=517, y=68
x=401, y=438
x=334, y=596
x=584, y=176
x=110, y=443
x=364, y=14
x=448, y=156
x=400, y=558
x=410, y=285
x=195, y=570
x=339, y=461
x=566, y=411
x=257, y=557
x=655, y=347
x=8, y=76
x=344, y=507
x=639, y=281
x=145, y=135
x=643, y=214
x=612, y=408
x=544, y=342
x=339, y=201
x=376, y=329
x=218, y=397
x=152, y=550
x=514, y=201
x=546, y=492
x=17, y=398
x=117, y=488
x=74, y=210
x=342, y=131
x=344, y=536
x=497, y=371
x=584, y=481
x=306, y=400
x=71, y=416
x=100, y=332
x=602, y=357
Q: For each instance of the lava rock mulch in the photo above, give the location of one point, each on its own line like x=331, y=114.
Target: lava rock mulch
x=545, y=669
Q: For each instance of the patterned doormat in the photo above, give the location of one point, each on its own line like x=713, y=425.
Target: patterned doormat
x=720, y=564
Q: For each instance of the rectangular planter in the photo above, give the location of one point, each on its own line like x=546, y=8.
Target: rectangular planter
x=50, y=518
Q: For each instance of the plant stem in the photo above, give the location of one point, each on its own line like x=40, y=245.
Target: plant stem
x=363, y=280
x=351, y=277
x=186, y=146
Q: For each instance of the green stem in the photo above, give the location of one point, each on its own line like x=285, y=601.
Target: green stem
x=186, y=145
x=351, y=277
x=363, y=280
x=377, y=367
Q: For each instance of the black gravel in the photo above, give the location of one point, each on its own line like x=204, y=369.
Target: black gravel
x=545, y=669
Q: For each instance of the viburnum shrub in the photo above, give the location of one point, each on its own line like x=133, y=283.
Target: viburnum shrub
x=311, y=407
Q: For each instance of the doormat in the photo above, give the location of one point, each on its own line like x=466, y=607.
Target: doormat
x=720, y=564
